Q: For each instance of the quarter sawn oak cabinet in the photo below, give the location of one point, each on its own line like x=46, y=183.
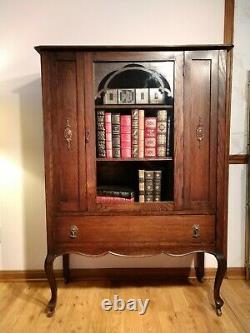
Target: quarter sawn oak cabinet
x=136, y=153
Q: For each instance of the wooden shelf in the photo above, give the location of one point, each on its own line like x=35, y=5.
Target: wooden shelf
x=134, y=106
x=140, y=208
x=133, y=159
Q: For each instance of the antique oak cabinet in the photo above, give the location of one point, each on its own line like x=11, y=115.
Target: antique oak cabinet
x=88, y=90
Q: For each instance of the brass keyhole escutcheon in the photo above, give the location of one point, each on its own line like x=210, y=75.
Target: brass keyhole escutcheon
x=196, y=231
x=73, y=231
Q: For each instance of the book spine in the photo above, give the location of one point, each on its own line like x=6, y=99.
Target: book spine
x=168, y=144
x=141, y=185
x=150, y=137
x=149, y=186
x=141, y=134
x=161, y=133
x=100, y=124
x=130, y=200
x=135, y=133
x=116, y=135
x=108, y=134
x=126, y=136
x=157, y=185
x=115, y=193
x=104, y=199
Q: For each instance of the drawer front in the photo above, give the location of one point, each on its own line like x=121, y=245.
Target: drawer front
x=141, y=234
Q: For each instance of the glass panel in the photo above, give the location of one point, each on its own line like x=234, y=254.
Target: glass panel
x=137, y=80
x=134, y=106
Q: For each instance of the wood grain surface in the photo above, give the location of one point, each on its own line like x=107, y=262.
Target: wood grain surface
x=183, y=307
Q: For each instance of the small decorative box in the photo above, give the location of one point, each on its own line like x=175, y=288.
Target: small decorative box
x=156, y=96
x=110, y=97
x=142, y=96
x=126, y=96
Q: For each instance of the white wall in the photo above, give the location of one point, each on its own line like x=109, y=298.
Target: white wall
x=24, y=24
x=241, y=64
x=238, y=137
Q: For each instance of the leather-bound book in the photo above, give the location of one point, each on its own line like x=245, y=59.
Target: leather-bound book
x=126, y=136
x=141, y=134
x=141, y=185
x=116, y=135
x=113, y=200
x=115, y=191
x=161, y=133
x=150, y=137
x=135, y=133
x=108, y=134
x=149, y=186
x=168, y=144
x=100, y=133
x=157, y=185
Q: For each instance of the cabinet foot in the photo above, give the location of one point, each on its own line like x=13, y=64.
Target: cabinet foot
x=48, y=266
x=221, y=270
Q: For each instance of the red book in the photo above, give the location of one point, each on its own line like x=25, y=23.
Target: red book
x=126, y=136
x=141, y=133
x=130, y=200
x=108, y=134
x=150, y=137
x=105, y=199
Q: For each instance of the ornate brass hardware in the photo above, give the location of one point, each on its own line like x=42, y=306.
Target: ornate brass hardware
x=87, y=137
x=196, y=231
x=73, y=231
x=68, y=134
x=200, y=132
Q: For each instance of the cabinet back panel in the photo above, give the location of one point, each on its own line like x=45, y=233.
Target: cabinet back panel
x=126, y=174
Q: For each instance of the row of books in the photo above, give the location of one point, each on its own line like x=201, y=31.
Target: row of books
x=149, y=185
x=149, y=189
x=110, y=199
x=114, y=194
x=133, y=136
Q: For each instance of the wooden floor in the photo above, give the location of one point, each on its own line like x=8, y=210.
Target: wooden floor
x=181, y=307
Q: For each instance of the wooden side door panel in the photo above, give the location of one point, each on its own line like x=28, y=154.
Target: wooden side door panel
x=200, y=129
x=64, y=107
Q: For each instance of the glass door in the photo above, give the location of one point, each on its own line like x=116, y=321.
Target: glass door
x=134, y=118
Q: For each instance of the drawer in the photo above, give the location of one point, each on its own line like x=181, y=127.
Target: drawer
x=111, y=233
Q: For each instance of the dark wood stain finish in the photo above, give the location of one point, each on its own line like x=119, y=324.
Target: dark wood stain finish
x=66, y=155
x=201, y=89
x=194, y=219
x=238, y=159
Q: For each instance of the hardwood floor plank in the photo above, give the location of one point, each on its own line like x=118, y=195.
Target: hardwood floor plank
x=183, y=307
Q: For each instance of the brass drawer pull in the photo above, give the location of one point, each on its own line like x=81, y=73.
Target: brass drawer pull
x=196, y=231
x=73, y=231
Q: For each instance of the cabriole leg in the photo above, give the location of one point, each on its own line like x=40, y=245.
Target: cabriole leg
x=48, y=266
x=221, y=270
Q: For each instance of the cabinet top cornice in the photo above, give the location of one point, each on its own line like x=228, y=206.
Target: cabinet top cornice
x=42, y=48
